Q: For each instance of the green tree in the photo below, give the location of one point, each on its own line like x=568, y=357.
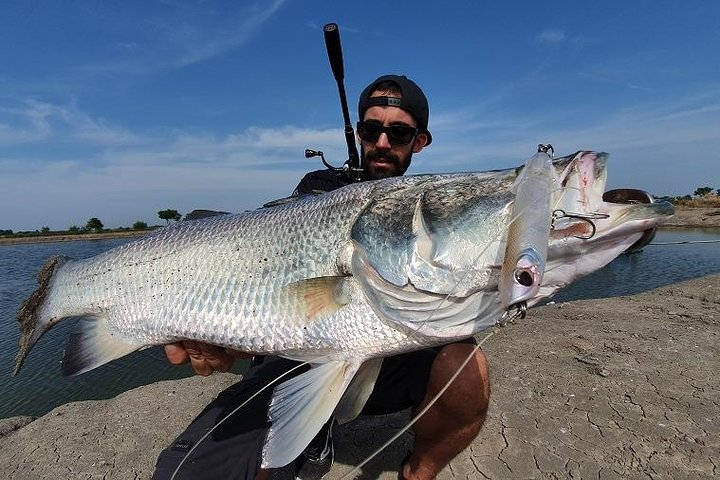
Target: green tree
x=169, y=214
x=94, y=225
x=702, y=191
x=74, y=229
x=45, y=230
x=139, y=226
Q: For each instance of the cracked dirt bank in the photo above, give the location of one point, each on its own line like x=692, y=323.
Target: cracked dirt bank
x=615, y=388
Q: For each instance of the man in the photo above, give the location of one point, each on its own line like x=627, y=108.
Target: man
x=394, y=125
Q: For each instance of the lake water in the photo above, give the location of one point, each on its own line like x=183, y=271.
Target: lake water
x=40, y=387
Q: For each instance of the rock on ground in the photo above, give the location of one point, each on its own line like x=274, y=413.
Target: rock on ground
x=615, y=388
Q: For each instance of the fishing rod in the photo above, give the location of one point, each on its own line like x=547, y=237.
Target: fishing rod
x=352, y=166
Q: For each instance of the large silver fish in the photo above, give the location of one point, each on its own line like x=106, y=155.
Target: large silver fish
x=340, y=280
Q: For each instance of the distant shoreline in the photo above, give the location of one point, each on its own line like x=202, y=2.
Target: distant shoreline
x=685, y=217
x=71, y=238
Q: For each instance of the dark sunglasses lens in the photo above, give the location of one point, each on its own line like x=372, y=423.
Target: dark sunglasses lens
x=397, y=134
x=369, y=132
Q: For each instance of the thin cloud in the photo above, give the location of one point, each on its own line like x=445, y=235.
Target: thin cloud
x=186, y=38
x=34, y=121
x=551, y=36
x=611, y=76
x=693, y=112
x=195, y=45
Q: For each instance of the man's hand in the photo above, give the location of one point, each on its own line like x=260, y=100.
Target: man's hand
x=204, y=358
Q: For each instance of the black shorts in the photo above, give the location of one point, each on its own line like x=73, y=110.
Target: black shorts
x=233, y=449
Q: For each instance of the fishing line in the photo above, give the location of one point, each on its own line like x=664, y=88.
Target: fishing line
x=421, y=412
x=684, y=242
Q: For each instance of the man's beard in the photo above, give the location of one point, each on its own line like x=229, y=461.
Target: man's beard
x=391, y=166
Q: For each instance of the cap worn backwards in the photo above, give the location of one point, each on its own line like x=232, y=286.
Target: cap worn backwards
x=412, y=100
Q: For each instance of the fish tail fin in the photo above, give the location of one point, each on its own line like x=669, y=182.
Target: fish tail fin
x=93, y=344
x=31, y=328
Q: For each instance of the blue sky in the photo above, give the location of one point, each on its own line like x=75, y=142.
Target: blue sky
x=117, y=109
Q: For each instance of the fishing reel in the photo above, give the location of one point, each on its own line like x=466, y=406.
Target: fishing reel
x=353, y=174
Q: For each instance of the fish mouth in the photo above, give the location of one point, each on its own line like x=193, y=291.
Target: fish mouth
x=591, y=226
x=611, y=213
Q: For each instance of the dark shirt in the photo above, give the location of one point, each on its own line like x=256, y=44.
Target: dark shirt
x=322, y=181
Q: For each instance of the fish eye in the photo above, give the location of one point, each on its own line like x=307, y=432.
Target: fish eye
x=524, y=278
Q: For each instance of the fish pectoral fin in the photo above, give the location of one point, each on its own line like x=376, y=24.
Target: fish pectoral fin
x=320, y=295
x=93, y=344
x=357, y=394
x=300, y=407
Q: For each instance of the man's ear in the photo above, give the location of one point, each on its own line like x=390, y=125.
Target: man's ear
x=420, y=142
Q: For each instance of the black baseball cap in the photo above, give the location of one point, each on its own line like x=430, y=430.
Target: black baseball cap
x=412, y=100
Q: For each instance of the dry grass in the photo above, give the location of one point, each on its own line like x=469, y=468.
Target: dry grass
x=708, y=201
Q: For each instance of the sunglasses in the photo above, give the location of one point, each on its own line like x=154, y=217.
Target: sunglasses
x=397, y=134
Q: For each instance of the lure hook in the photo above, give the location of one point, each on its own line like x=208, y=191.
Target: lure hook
x=546, y=148
x=585, y=217
x=513, y=312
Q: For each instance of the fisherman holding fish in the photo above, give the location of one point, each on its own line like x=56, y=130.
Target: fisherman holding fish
x=393, y=113
x=333, y=288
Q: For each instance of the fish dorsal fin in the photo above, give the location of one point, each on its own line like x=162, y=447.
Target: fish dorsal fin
x=292, y=199
x=93, y=344
x=359, y=391
x=300, y=407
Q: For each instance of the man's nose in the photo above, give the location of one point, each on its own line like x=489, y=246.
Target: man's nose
x=383, y=141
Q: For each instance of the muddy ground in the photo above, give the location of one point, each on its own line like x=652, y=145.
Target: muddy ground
x=624, y=387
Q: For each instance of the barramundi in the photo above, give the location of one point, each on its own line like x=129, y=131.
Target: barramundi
x=339, y=280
